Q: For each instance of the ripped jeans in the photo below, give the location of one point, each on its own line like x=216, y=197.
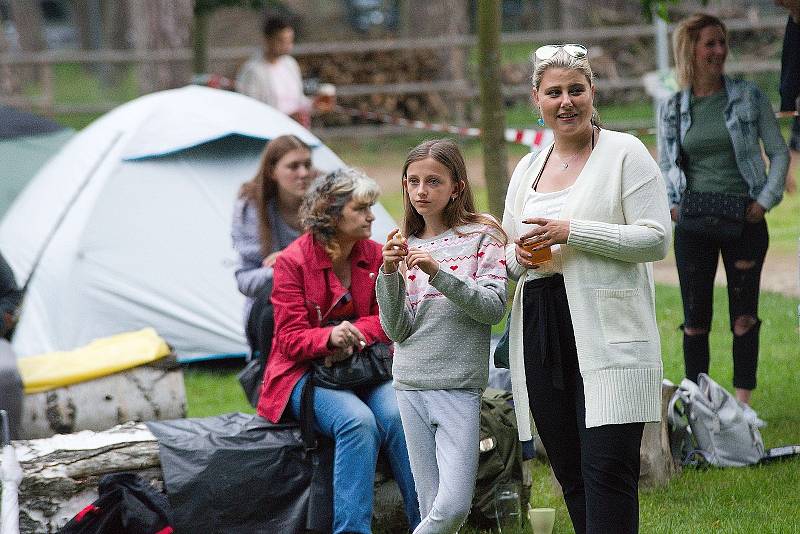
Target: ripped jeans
x=697, y=258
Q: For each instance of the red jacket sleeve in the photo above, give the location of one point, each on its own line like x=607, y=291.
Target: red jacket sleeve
x=297, y=339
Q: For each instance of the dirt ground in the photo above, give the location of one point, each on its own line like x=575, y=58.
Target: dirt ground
x=780, y=274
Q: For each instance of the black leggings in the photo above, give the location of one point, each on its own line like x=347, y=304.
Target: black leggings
x=598, y=468
x=696, y=258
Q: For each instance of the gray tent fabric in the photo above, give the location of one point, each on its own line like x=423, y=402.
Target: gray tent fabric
x=27, y=141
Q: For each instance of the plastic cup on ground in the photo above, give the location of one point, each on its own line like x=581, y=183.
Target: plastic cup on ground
x=542, y=520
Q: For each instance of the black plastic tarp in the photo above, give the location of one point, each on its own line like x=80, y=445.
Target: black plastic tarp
x=241, y=473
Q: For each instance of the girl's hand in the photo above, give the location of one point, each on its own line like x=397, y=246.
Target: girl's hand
x=394, y=251
x=549, y=232
x=419, y=258
x=269, y=261
x=347, y=337
x=673, y=213
x=755, y=212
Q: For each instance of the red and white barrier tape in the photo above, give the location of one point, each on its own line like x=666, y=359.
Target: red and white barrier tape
x=535, y=139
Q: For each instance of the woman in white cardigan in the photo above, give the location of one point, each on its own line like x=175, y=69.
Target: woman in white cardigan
x=584, y=350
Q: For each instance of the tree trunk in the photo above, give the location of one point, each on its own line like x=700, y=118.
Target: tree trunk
x=161, y=25
x=115, y=37
x=549, y=16
x=655, y=455
x=493, y=120
x=657, y=466
x=573, y=14
x=200, y=42
x=146, y=393
x=27, y=17
x=8, y=83
x=456, y=61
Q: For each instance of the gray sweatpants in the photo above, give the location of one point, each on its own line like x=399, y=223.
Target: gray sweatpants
x=442, y=429
x=10, y=387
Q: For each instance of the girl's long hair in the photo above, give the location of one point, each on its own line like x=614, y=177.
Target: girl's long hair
x=262, y=188
x=457, y=212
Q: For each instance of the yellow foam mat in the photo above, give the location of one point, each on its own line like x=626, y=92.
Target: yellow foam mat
x=101, y=357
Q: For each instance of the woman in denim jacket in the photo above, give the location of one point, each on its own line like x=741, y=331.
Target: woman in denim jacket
x=721, y=123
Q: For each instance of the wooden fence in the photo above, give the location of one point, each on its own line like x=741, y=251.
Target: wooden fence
x=454, y=88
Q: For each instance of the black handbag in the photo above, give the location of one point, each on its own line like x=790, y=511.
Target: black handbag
x=367, y=367
x=716, y=216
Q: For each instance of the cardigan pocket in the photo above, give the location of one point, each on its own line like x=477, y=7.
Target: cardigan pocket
x=621, y=315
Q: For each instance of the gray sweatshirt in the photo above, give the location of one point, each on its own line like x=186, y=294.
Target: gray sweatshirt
x=442, y=325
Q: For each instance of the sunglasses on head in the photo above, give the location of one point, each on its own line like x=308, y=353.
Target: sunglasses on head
x=543, y=53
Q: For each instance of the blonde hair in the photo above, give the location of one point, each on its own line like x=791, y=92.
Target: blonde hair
x=326, y=198
x=684, y=42
x=562, y=60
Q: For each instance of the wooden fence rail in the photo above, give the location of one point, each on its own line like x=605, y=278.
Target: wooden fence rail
x=455, y=88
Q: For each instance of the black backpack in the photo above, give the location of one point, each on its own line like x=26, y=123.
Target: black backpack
x=127, y=505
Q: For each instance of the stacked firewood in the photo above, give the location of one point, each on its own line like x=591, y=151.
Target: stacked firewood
x=383, y=68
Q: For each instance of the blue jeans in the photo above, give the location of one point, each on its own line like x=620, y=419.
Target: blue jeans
x=360, y=423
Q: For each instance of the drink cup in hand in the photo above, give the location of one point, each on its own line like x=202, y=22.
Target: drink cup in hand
x=539, y=256
x=326, y=97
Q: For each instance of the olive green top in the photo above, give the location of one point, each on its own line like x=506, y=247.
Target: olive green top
x=711, y=161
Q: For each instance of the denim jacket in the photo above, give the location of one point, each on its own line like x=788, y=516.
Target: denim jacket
x=749, y=119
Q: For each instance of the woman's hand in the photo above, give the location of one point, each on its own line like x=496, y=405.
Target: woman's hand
x=347, y=337
x=549, y=232
x=755, y=212
x=337, y=356
x=269, y=261
x=673, y=213
x=419, y=258
x=394, y=251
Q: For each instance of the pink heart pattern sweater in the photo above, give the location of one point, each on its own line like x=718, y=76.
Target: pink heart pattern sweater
x=442, y=324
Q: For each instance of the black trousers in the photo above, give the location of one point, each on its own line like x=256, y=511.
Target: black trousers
x=598, y=468
x=696, y=258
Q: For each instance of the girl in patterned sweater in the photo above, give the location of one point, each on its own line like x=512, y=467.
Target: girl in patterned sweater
x=441, y=288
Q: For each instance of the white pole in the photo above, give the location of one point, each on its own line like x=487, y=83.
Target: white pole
x=662, y=44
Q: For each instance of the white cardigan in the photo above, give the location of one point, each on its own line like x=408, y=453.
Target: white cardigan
x=619, y=221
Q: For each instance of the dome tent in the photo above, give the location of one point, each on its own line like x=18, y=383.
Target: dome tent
x=129, y=224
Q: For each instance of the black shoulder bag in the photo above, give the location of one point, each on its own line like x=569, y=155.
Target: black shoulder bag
x=367, y=367
x=719, y=217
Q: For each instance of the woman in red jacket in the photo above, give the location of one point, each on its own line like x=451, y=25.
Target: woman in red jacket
x=328, y=275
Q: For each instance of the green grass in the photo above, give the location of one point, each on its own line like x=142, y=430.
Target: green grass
x=746, y=500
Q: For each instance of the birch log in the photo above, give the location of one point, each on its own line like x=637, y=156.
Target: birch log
x=147, y=393
x=657, y=465
x=61, y=475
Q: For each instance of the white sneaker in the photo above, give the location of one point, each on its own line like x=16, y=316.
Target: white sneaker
x=751, y=415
